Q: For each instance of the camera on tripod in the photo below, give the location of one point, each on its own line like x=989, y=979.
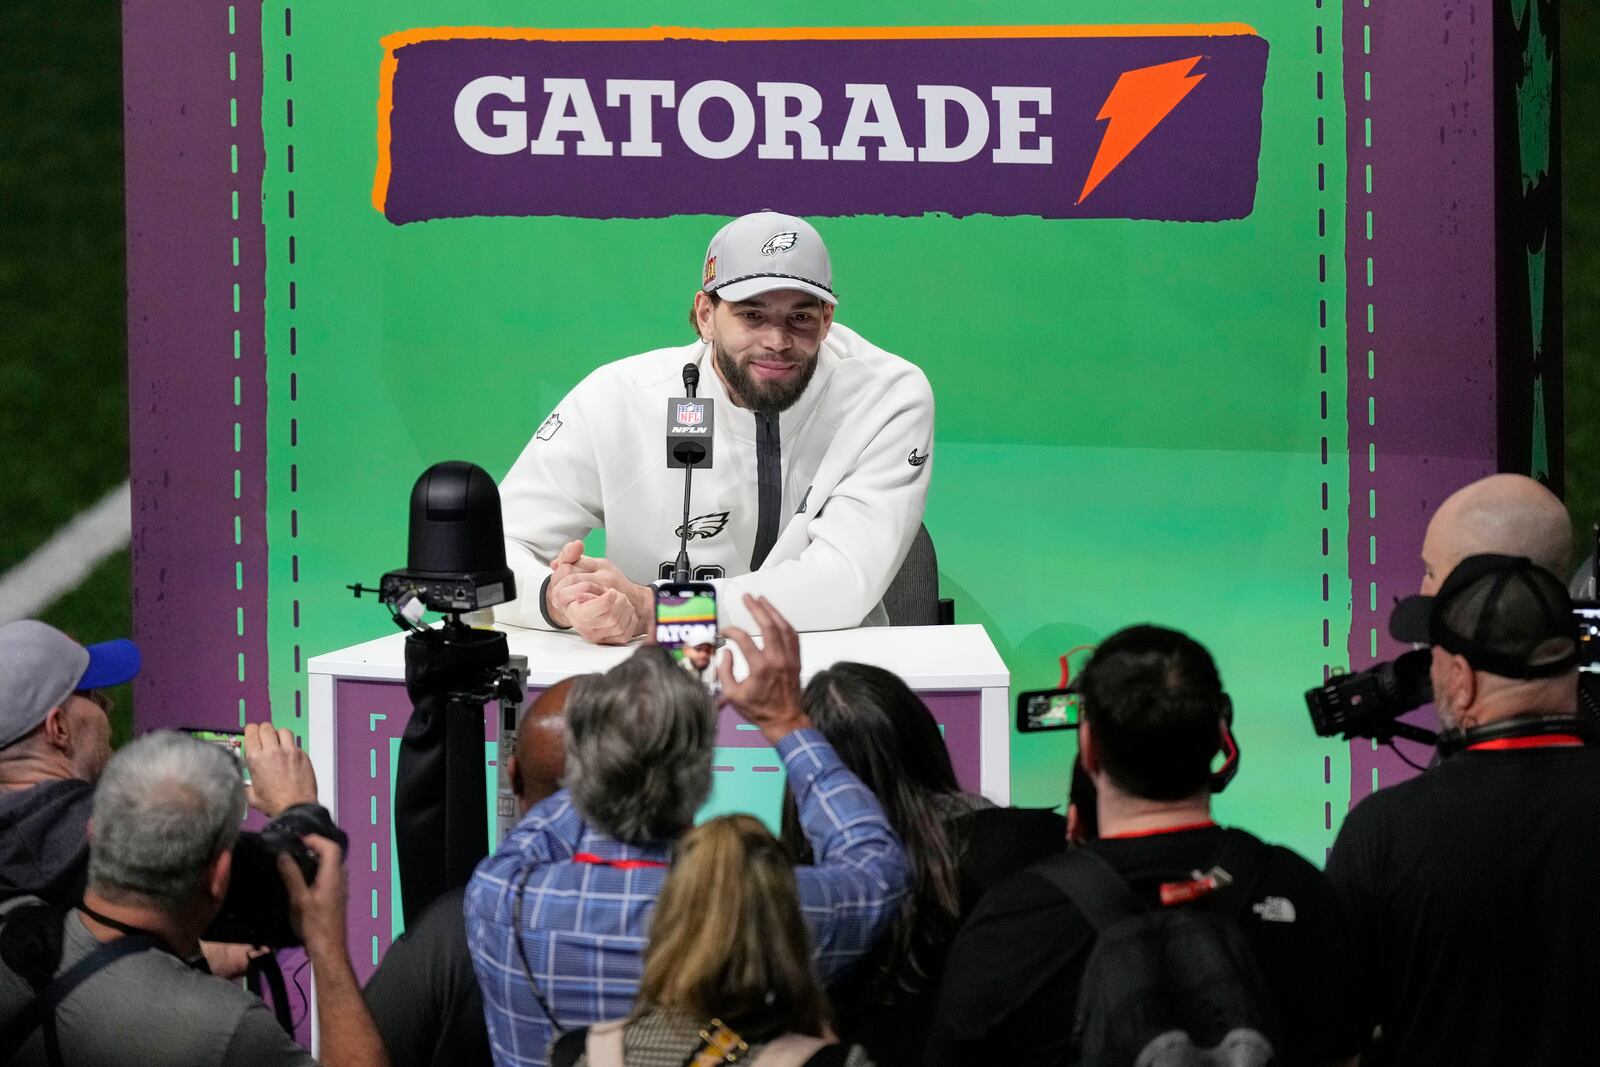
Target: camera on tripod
x=455, y=558
x=455, y=563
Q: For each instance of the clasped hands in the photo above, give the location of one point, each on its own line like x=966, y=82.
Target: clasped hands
x=593, y=597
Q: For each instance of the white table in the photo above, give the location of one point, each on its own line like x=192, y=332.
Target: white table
x=358, y=711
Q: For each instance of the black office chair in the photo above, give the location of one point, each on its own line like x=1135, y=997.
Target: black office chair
x=912, y=599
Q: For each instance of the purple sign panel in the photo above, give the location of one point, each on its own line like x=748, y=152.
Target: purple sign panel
x=1143, y=122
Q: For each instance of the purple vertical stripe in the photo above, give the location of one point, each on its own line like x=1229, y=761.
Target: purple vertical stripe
x=1432, y=334
x=180, y=130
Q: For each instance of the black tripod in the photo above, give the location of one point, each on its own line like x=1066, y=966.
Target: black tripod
x=440, y=816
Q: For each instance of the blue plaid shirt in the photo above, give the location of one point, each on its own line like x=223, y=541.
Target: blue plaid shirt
x=584, y=924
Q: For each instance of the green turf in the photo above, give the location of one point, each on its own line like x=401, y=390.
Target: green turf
x=63, y=349
x=62, y=330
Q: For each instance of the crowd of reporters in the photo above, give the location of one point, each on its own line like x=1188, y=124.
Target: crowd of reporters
x=896, y=919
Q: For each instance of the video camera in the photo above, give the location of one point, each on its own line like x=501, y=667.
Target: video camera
x=1369, y=703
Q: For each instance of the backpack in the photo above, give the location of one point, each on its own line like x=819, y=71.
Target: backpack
x=1173, y=985
x=31, y=946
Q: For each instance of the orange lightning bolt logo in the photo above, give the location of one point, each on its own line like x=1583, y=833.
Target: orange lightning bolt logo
x=1137, y=104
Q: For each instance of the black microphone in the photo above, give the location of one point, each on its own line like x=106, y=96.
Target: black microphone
x=689, y=437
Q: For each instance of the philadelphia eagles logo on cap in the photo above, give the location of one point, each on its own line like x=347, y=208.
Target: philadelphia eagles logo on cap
x=779, y=242
x=705, y=526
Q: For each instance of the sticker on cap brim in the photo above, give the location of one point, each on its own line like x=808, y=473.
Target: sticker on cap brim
x=780, y=242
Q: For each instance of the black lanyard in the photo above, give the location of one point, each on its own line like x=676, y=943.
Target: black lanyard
x=198, y=963
x=41, y=1011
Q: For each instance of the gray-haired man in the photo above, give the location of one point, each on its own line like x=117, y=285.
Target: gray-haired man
x=166, y=815
x=557, y=917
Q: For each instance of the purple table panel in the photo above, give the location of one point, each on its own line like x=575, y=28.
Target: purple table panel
x=370, y=717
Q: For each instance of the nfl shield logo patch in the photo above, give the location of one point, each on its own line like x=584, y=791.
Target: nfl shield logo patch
x=691, y=414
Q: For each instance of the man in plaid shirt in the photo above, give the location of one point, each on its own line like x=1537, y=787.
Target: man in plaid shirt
x=557, y=918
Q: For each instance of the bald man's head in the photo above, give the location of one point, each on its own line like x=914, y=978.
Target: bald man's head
x=1506, y=514
x=540, y=755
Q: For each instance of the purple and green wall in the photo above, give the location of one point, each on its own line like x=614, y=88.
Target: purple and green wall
x=1209, y=361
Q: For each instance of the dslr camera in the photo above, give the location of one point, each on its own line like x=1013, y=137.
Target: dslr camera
x=256, y=910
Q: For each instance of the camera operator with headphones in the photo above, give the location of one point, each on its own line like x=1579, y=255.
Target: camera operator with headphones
x=1469, y=884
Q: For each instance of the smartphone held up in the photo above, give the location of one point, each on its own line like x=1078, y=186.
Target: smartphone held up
x=686, y=625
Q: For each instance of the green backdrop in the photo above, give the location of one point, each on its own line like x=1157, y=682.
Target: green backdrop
x=1137, y=421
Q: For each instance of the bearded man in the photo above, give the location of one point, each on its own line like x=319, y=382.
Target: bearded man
x=821, y=447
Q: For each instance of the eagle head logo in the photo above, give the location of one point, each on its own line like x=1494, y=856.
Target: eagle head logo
x=779, y=242
x=705, y=526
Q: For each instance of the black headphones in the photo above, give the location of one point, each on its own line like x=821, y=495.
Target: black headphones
x=1230, y=747
x=1456, y=740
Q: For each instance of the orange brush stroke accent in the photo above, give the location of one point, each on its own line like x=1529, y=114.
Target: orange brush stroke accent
x=1136, y=105
x=395, y=41
x=380, y=182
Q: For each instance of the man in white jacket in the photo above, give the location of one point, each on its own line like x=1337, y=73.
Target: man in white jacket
x=821, y=459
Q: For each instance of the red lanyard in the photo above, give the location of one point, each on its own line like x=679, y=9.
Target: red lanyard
x=1206, y=824
x=1544, y=741
x=621, y=865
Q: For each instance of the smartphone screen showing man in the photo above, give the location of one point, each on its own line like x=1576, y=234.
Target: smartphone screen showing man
x=686, y=623
x=228, y=739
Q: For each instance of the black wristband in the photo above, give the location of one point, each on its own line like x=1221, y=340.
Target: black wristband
x=544, y=610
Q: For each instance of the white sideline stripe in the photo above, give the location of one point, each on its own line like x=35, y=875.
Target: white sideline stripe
x=60, y=565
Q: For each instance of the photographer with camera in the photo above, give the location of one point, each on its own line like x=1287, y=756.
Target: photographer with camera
x=1468, y=883
x=119, y=978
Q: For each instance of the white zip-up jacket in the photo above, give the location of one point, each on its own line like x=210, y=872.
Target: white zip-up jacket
x=855, y=452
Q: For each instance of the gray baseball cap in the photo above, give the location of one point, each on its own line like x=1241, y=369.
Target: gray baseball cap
x=40, y=667
x=764, y=251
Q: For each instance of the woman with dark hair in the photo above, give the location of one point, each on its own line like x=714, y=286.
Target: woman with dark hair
x=958, y=845
x=728, y=968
